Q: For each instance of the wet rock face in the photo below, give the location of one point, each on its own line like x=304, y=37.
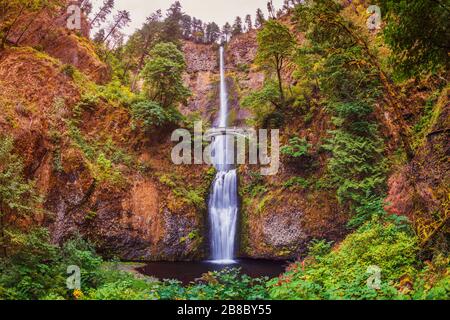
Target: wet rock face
x=242, y=50
x=176, y=242
x=202, y=74
x=282, y=231
x=133, y=225
x=419, y=190
x=200, y=57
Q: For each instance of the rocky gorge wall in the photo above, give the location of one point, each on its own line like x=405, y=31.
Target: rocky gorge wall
x=101, y=177
x=157, y=211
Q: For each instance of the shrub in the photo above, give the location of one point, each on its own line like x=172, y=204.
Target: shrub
x=295, y=183
x=68, y=70
x=297, y=147
x=227, y=284
x=33, y=271
x=263, y=104
x=152, y=116
x=342, y=273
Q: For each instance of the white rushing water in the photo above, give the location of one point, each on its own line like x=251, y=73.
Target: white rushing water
x=223, y=202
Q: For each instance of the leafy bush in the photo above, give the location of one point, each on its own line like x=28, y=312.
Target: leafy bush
x=227, y=284
x=68, y=70
x=153, y=116
x=126, y=287
x=296, y=182
x=433, y=282
x=263, y=103
x=256, y=185
x=297, y=147
x=343, y=273
x=77, y=251
x=38, y=269
x=18, y=198
x=33, y=271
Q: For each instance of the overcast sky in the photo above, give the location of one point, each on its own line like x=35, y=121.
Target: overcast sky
x=219, y=11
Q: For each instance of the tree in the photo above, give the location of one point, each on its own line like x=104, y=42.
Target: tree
x=103, y=12
x=121, y=20
x=163, y=75
x=40, y=7
x=237, y=26
x=271, y=10
x=264, y=104
x=212, y=32
x=86, y=7
x=17, y=196
x=139, y=44
x=186, y=27
x=324, y=24
x=226, y=31
x=198, y=33
x=287, y=5
x=418, y=32
x=172, y=31
x=275, y=46
x=99, y=36
x=248, y=22
x=259, y=20
x=12, y=11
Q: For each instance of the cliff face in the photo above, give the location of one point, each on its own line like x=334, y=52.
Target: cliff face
x=47, y=31
x=156, y=210
x=277, y=220
x=116, y=185
x=96, y=174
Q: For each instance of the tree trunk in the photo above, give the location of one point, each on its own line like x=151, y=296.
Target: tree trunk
x=394, y=104
x=141, y=62
x=28, y=26
x=280, y=82
x=5, y=37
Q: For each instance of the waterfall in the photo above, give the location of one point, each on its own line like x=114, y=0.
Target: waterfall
x=223, y=202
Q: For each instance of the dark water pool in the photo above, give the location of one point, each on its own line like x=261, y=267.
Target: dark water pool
x=189, y=271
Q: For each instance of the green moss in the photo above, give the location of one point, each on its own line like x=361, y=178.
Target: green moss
x=91, y=215
x=433, y=108
x=296, y=183
x=262, y=204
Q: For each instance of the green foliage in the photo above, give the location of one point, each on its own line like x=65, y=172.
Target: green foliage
x=68, y=70
x=432, y=110
x=196, y=198
x=17, y=195
x=153, y=116
x=343, y=273
x=275, y=49
x=38, y=268
x=263, y=103
x=297, y=148
x=255, y=187
x=296, y=182
x=163, y=75
x=243, y=67
x=349, y=78
x=227, y=284
x=417, y=31
x=357, y=165
x=102, y=170
x=121, y=286
x=433, y=282
x=319, y=248
x=32, y=270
